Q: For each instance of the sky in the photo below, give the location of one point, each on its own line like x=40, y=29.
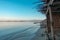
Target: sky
x=19, y=10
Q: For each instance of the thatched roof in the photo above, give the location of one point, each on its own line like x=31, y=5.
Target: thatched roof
x=55, y=7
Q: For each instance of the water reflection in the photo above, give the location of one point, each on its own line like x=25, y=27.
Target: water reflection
x=17, y=30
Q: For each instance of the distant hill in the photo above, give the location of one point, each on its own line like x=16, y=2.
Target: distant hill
x=20, y=20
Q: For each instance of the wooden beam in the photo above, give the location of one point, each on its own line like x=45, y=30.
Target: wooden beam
x=55, y=3
x=58, y=11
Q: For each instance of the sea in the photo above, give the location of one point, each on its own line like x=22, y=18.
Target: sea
x=18, y=30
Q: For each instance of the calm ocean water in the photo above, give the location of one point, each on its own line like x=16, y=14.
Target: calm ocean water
x=18, y=30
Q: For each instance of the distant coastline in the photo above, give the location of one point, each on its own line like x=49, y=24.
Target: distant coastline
x=20, y=21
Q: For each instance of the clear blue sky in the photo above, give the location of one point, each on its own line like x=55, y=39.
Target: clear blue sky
x=19, y=9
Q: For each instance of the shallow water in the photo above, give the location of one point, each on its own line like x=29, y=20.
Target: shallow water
x=18, y=30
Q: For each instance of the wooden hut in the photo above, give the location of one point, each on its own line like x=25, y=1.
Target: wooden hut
x=52, y=10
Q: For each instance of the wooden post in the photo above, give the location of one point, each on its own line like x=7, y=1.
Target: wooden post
x=51, y=24
x=51, y=20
